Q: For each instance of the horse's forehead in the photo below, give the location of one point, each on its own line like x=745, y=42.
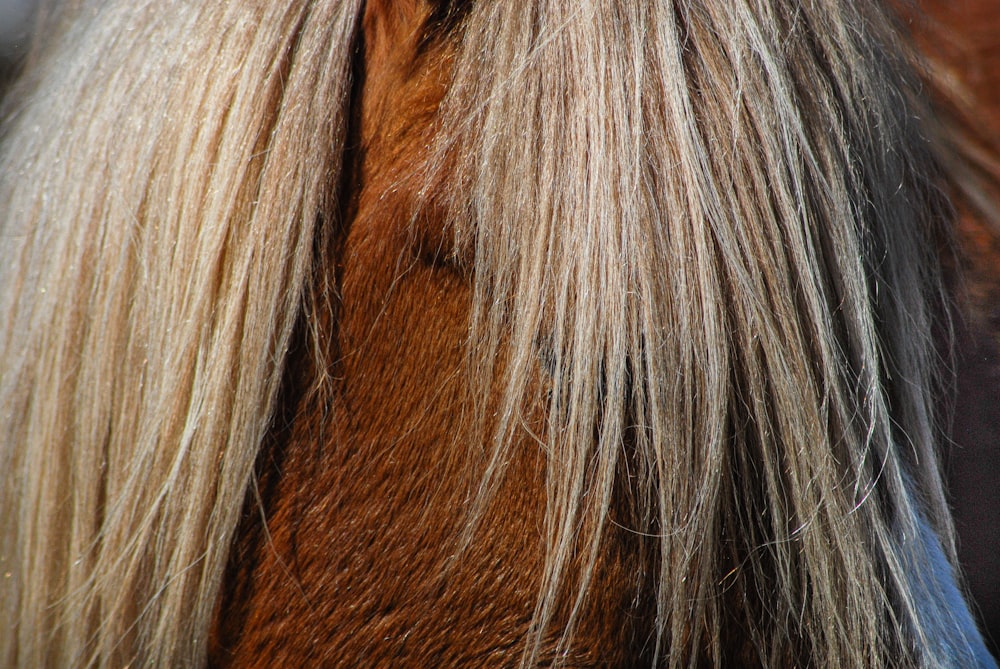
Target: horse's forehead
x=394, y=24
x=404, y=78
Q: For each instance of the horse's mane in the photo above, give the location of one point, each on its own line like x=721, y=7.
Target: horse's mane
x=169, y=174
x=715, y=224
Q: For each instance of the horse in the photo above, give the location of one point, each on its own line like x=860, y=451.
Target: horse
x=471, y=332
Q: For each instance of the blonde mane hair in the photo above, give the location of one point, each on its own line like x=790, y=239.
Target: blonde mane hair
x=717, y=225
x=168, y=176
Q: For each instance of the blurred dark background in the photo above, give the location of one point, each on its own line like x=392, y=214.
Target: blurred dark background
x=15, y=22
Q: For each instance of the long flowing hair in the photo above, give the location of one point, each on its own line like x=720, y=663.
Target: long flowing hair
x=716, y=224
x=162, y=192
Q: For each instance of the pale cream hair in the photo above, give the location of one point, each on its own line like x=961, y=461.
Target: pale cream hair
x=161, y=194
x=714, y=223
x=718, y=225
